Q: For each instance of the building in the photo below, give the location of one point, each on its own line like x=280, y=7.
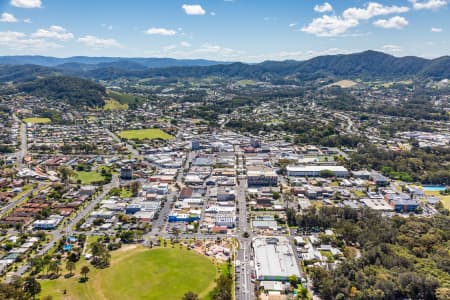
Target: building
x=126, y=173
x=49, y=224
x=401, y=202
x=195, y=145
x=315, y=171
x=262, y=178
x=380, y=180
x=274, y=259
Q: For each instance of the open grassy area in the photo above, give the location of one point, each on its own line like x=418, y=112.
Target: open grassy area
x=37, y=120
x=145, y=134
x=140, y=273
x=125, y=98
x=89, y=177
x=445, y=199
x=111, y=104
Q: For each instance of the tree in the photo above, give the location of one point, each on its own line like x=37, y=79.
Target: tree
x=293, y=280
x=84, y=271
x=70, y=266
x=31, y=287
x=54, y=266
x=326, y=173
x=190, y=296
x=135, y=186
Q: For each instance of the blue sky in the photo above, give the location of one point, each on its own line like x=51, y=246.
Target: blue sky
x=230, y=30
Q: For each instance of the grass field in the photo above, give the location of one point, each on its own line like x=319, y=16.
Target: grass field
x=145, y=134
x=444, y=199
x=140, y=273
x=37, y=120
x=89, y=177
x=111, y=104
x=125, y=98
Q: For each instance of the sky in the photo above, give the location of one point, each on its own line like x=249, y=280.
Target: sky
x=225, y=30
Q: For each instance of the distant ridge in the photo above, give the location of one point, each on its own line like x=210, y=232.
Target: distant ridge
x=367, y=65
x=49, y=61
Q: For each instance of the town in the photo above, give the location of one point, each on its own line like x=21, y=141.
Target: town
x=76, y=184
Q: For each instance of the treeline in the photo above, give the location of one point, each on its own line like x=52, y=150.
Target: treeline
x=76, y=91
x=427, y=165
x=399, y=257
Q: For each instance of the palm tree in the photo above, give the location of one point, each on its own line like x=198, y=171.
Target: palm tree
x=70, y=266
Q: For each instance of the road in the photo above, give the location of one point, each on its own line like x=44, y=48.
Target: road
x=13, y=204
x=23, y=142
x=158, y=224
x=244, y=286
x=117, y=139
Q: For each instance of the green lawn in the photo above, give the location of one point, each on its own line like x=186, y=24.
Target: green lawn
x=37, y=120
x=145, y=134
x=111, y=104
x=89, y=177
x=140, y=273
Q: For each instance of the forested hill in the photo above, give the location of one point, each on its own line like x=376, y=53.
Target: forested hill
x=368, y=65
x=76, y=91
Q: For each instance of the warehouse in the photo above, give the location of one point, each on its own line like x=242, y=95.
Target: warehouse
x=315, y=171
x=274, y=259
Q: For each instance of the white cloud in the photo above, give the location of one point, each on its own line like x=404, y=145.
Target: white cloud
x=373, y=9
x=323, y=8
x=193, y=9
x=429, y=4
x=27, y=20
x=95, y=42
x=160, y=31
x=292, y=25
x=436, y=29
x=170, y=47
x=392, y=48
x=54, y=32
x=213, y=13
x=396, y=22
x=19, y=41
x=8, y=18
x=328, y=26
x=26, y=3
x=185, y=44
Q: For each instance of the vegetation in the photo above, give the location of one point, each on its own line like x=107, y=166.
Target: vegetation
x=145, y=134
x=139, y=273
x=427, y=165
x=400, y=257
x=76, y=91
x=89, y=177
x=37, y=120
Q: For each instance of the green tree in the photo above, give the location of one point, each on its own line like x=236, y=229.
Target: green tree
x=84, y=271
x=31, y=287
x=190, y=296
x=70, y=266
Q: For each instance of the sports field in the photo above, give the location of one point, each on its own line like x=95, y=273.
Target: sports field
x=139, y=273
x=145, y=134
x=37, y=120
x=89, y=177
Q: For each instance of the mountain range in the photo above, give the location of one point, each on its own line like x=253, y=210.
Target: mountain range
x=368, y=65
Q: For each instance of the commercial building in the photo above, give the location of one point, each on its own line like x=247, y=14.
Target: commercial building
x=315, y=171
x=274, y=259
x=262, y=178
